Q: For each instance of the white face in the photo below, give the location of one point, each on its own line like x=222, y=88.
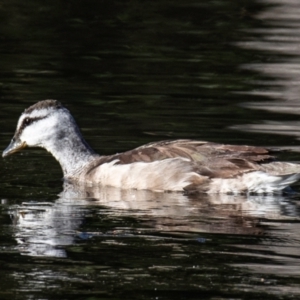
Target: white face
x=38, y=127
x=46, y=124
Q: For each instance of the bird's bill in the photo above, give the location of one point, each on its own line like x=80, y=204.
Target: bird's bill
x=14, y=146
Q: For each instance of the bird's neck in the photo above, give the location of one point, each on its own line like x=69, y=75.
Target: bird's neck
x=71, y=151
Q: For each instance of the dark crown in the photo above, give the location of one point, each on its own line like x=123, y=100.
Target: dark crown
x=43, y=104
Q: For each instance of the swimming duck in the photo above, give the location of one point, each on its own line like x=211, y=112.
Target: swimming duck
x=177, y=165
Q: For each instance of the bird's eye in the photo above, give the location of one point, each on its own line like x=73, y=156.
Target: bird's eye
x=27, y=121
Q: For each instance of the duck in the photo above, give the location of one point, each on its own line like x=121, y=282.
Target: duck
x=182, y=165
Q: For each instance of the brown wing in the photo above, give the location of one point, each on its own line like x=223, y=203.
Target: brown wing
x=208, y=159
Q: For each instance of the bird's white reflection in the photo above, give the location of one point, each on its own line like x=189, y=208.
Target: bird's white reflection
x=45, y=228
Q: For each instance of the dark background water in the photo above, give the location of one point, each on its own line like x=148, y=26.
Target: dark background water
x=132, y=72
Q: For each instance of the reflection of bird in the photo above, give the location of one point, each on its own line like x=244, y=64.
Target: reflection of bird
x=162, y=166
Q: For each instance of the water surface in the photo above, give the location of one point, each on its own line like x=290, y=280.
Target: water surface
x=133, y=72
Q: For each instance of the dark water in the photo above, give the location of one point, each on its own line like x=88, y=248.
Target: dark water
x=133, y=72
